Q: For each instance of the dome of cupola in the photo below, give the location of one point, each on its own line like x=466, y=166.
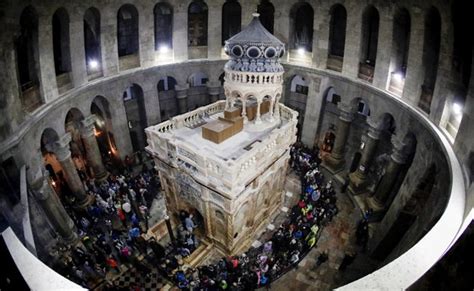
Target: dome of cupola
x=254, y=49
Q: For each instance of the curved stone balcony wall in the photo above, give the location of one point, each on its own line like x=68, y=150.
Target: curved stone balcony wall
x=432, y=147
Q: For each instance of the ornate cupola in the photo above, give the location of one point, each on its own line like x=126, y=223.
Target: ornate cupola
x=254, y=75
x=254, y=49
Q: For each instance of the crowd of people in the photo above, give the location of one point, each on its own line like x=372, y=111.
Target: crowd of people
x=258, y=267
x=111, y=233
x=110, y=228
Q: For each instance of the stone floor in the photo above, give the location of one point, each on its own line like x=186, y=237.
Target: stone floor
x=337, y=239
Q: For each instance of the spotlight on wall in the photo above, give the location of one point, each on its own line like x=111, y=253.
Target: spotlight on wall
x=301, y=51
x=397, y=76
x=163, y=49
x=93, y=64
x=457, y=109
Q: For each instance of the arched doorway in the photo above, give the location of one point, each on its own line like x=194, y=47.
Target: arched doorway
x=136, y=116
x=104, y=131
x=197, y=93
x=167, y=97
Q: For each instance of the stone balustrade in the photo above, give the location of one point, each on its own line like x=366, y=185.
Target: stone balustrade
x=254, y=78
x=223, y=173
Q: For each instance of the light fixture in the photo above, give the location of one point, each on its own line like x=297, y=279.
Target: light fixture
x=163, y=49
x=93, y=64
x=301, y=51
x=397, y=76
x=457, y=108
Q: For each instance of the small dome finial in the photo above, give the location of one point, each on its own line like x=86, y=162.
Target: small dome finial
x=255, y=14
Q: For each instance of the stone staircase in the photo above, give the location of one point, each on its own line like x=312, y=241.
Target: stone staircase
x=200, y=254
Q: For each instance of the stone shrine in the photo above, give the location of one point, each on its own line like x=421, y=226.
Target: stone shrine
x=232, y=177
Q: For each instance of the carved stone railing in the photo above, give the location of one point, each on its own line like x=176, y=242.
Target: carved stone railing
x=254, y=78
x=222, y=173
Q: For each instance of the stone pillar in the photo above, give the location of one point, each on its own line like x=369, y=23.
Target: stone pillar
x=380, y=200
x=152, y=103
x=350, y=66
x=415, y=75
x=384, y=50
x=358, y=179
x=108, y=39
x=445, y=79
x=180, y=32
x=276, y=112
x=272, y=103
x=11, y=108
x=314, y=101
x=78, y=56
x=214, y=90
x=61, y=149
x=46, y=72
x=94, y=159
x=258, y=120
x=182, y=96
x=146, y=32
x=321, y=36
x=244, y=110
x=53, y=209
x=214, y=35
x=335, y=162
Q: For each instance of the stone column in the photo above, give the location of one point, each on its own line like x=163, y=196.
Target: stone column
x=53, y=209
x=350, y=66
x=272, y=103
x=61, y=149
x=321, y=36
x=214, y=35
x=358, y=179
x=146, y=32
x=380, y=200
x=314, y=101
x=214, y=90
x=152, y=103
x=446, y=78
x=46, y=72
x=182, y=96
x=276, y=111
x=258, y=120
x=415, y=74
x=244, y=110
x=335, y=162
x=108, y=40
x=384, y=50
x=180, y=32
x=94, y=159
x=78, y=56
